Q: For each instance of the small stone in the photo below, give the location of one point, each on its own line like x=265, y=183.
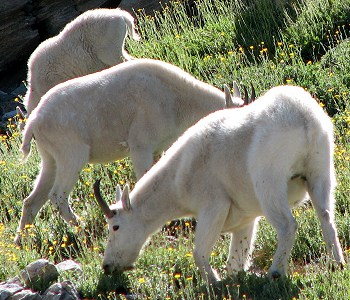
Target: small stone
x=69, y=265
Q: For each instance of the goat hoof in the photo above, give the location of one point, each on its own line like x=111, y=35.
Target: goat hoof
x=342, y=266
x=338, y=266
x=275, y=275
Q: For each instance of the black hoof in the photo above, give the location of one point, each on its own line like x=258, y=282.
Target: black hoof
x=275, y=275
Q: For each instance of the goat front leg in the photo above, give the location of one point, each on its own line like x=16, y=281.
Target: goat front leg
x=241, y=248
x=67, y=175
x=210, y=224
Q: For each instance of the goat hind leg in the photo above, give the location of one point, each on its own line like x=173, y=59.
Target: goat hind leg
x=241, y=248
x=39, y=195
x=274, y=204
x=322, y=199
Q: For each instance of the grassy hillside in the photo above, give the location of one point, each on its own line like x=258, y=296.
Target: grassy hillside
x=264, y=42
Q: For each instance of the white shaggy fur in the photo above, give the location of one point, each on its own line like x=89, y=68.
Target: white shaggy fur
x=137, y=108
x=92, y=42
x=227, y=170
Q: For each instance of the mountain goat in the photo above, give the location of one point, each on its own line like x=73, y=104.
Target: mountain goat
x=137, y=108
x=92, y=42
x=227, y=170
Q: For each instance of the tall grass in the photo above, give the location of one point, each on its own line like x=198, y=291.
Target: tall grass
x=264, y=42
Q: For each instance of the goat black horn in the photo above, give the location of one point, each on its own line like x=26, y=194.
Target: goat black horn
x=102, y=203
x=246, y=100
x=253, y=96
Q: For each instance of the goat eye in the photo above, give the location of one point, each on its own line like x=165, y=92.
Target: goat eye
x=115, y=227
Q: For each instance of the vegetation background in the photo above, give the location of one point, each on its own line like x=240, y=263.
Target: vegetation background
x=266, y=43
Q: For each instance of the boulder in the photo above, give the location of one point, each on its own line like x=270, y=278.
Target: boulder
x=39, y=274
x=18, y=34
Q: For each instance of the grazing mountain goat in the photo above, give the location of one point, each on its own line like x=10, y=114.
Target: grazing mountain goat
x=227, y=170
x=90, y=43
x=137, y=108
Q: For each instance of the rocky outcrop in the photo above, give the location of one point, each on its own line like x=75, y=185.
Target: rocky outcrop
x=37, y=282
x=26, y=23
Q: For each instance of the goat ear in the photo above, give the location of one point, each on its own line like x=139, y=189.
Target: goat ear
x=118, y=193
x=228, y=97
x=125, y=198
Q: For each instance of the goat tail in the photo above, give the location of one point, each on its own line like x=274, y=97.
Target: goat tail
x=129, y=21
x=27, y=138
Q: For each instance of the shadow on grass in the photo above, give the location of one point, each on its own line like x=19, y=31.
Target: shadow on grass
x=113, y=286
x=243, y=286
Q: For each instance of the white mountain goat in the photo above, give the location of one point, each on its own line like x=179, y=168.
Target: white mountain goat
x=92, y=42
x=137, y=108
x=227, y=170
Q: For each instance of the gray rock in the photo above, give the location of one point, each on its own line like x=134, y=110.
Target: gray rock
x=146, y=5
x=26, y=23
x=61, y=291
x=19, y=91
x=39, y=274
x=8, y=115
x=25, y=295
x=16, y=32
x=4, y=97
x=14, y=280
x=8, y=289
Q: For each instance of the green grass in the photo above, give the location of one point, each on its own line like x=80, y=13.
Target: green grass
x=264, y=42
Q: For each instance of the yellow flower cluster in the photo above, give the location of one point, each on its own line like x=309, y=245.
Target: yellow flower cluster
x=7, y=249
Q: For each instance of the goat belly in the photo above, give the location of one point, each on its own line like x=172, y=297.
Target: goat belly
x=236, y=218
x=107, y=152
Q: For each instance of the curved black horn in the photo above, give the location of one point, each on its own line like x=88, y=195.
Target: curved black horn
x=246, y=100
x=253, y=96
x=102, y=203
